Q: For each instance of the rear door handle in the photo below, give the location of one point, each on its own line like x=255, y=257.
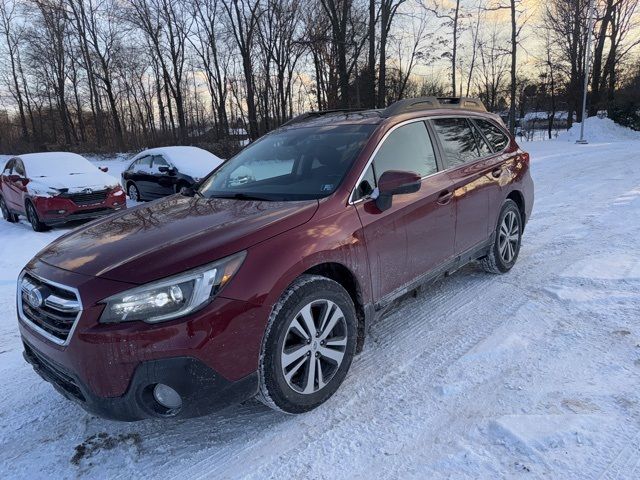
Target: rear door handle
x=445, y=197
x=496, y=172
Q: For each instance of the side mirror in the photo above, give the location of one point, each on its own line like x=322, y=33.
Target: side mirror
x=395, y=182
x=168, y=170
x=188, y=191
x=104, y=169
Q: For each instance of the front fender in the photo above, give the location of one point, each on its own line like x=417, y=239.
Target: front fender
x=271, y=266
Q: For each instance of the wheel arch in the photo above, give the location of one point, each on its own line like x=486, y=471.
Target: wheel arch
x=347, y=279
x=518, y=198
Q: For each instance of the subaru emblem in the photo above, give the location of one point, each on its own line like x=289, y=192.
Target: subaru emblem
x=33, y=295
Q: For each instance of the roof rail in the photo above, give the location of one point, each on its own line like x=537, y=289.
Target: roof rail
x=430, y=103
x=320, y=113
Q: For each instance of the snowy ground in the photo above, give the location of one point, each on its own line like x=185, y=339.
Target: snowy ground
x=531, y=374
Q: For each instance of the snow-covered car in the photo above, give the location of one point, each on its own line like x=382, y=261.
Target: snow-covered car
x=159, y=172
x=57, y=187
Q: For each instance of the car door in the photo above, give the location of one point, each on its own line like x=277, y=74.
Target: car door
x=16, y=182
x=141, y=175
x=469, y=162
x=163, y=183
x=4, y=184
x=416, y=234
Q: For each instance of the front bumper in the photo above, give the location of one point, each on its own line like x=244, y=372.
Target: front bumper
x=202, y=390
x=49, y=209
x=210, y=357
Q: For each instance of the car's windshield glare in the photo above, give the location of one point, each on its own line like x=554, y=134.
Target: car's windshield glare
x=297, y=164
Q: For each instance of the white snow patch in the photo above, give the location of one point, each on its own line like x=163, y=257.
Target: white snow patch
x=598, y=129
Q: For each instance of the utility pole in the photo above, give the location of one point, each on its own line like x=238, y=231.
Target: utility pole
x=587, y=66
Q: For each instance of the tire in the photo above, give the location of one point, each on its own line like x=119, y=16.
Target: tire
x=32, y=216
x=284, y=383
x=6, y=213
x=133, y=192
x=504, y=252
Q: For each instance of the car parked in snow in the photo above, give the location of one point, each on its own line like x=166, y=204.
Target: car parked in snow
x=263, y=280
x=159, y=172
x=57, y=187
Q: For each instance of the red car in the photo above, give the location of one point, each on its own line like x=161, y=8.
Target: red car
x=263, y=279
x=56, y=187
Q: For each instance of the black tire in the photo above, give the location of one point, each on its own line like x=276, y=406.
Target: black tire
x=32, y=216
x=497, y=261
x=320, y=292
x=6, y=213
x=133, y=192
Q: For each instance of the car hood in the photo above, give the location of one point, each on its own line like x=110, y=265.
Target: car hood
x=171, y=235
x=74, y=183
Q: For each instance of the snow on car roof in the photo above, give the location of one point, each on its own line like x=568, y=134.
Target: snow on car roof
x=189, y=160
x=54, y=164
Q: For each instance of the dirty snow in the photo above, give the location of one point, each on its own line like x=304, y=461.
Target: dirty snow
x=532, y=374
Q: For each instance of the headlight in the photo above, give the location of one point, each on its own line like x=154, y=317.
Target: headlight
x=172, y=297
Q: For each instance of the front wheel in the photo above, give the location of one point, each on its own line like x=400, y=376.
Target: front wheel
x=308, y=346
x=32, y=216
x=503, y=253
x=6, y=213
x=133, y=192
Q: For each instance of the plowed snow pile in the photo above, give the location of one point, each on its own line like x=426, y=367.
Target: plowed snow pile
x=599, y=130
x=532, y=374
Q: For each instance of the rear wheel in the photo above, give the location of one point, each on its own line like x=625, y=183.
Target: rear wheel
x=309, y=345
x=32, y=216
x=133, y=192
x=6, y=213
x=504, y=252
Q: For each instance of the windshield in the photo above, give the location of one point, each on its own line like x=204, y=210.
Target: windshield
x=56, y=164
x=298, y=164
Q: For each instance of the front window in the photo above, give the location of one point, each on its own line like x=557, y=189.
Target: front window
x=299, y=164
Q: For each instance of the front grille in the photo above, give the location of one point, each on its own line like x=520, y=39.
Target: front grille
x=53, y=373
x=50, y=308
x=88, y=198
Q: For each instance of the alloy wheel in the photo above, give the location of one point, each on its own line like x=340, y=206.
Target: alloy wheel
x=133, y=193
x=509, y=236
x=314, y=346
x=32, y=216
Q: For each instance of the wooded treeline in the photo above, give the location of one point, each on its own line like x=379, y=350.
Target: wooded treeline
x=107, y=75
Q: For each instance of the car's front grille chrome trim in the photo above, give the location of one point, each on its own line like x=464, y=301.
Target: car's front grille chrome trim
x=50, y=309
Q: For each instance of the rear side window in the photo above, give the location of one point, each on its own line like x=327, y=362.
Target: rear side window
x=458, y=141
x=483, y=146
x=496, y=137
x=407, y=148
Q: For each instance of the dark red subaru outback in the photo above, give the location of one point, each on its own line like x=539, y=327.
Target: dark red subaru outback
x=263, y=279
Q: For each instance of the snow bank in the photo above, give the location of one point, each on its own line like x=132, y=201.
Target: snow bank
x=600, y=130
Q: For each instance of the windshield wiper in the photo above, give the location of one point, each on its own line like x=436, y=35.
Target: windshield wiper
x=243, y=196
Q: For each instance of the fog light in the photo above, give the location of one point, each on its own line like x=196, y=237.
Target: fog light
x=167, y=396
x=62, y=211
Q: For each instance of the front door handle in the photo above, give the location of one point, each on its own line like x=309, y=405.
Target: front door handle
x=496, y=172
x=445, y=197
